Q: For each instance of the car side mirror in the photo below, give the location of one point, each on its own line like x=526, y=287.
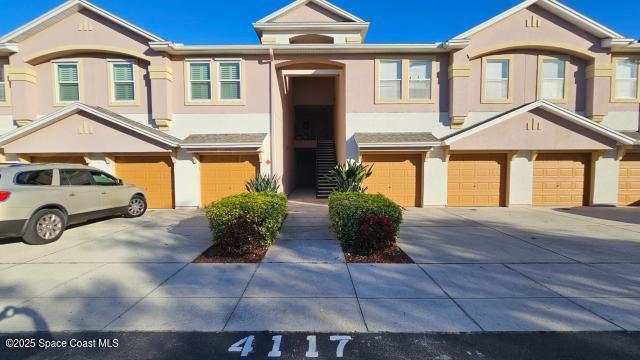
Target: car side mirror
x=119, y=182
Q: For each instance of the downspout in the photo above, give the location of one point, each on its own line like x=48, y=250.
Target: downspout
x=272, y=69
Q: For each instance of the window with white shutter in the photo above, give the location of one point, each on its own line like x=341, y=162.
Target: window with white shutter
x=552, y=79
x=199, y=81
x=123, y=82
x=229, y=80
x=626, y=83
x=68, y=82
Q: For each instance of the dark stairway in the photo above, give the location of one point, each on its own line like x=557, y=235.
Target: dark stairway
x=325, y=162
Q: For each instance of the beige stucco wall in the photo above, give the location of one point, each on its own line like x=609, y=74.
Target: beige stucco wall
x=83, y=133
x=309, y=12
x=550, y=132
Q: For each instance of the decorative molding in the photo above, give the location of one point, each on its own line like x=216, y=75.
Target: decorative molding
x=86, y=128
x=163, y=124
x=21, y=74
x=457, y=70
x=599, y=70
x=457, y=121
x=22, y=122
x=533, y=125
x=357, y=39
x=161, y=72
x=85, y=25
x=561, y=48
x=46, y=55
x=596, y=118
x=533, y=22
x=268, y=40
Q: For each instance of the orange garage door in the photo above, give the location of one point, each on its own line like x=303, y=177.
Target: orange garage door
x=629, y=193
x=560, y=179
x=476, y=180
x=58, y=159
x=224, y=175
x=397, y=176
x=153, y=174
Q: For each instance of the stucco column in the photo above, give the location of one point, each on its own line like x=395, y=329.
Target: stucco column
x=161, y=75
x=605, y=170
x=186, y=174
x=520, y=179
x=435, y=177
x=102, y=162
x=598, y=91
x=459, y=73
x=24, y=95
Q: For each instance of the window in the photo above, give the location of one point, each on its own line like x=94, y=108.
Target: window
x=626, y=79
x=229, y=80
x=199, y=81
x=123, y=83
x=68, y=82
x=390, y=79
x=404, y=81
x=75, y=178
x=497, y=80
x=100, y=178
x=552, y=79
x=37, y=177
x=419, y=79
x=3, y=88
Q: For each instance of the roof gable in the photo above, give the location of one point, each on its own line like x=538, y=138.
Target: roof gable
x=64, y=10
x=564, y=125
x=554, y=7
x=310, y=11
x=118, y=126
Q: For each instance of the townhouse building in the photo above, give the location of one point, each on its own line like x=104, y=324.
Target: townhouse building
x=538, y=106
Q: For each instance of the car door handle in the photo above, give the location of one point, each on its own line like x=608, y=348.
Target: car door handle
x=72, y=194
x=103, y=193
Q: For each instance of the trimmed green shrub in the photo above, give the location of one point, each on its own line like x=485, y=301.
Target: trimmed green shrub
x=375, y=234
x=263, y=183
x=347, y=209
x=265, y=212
x=350, y=176
x=239, y=238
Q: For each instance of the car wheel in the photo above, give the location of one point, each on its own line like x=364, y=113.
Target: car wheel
x=137, y=207
x=44, y=227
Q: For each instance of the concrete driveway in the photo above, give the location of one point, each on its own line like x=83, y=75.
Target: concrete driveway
x=533, y=269
x=476, y=269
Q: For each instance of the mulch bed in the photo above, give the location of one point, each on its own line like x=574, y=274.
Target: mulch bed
x=392, y=255
x=214, y=255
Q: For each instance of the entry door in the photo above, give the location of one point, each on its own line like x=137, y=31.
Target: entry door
x=82, y=196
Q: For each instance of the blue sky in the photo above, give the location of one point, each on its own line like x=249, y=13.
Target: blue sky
x=406, y=21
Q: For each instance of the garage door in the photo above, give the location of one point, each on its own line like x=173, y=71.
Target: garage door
x=224, y=175
x=476, y=180
x=560, y=179
x=629, y=193
x=397, y=176
x=153, y=174
x=57, y=159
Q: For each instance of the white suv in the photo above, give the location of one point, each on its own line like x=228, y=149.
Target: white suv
x=38, y=201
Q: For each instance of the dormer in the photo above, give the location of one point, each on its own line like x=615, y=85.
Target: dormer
x=311, y=22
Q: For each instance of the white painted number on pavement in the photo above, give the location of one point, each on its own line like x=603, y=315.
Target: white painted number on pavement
x=245, y=346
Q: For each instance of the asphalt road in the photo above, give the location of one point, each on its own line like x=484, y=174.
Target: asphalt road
x=223, y=346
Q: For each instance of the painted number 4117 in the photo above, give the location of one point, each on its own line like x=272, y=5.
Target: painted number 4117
x=245, y=346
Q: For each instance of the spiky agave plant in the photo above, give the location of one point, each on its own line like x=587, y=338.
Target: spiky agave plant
x=350, y=176
x=264, y=183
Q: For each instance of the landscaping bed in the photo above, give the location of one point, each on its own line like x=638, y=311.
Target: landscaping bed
x=243, y=226
x=367, y=226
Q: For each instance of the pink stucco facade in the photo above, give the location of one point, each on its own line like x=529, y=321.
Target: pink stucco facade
x=277, y=75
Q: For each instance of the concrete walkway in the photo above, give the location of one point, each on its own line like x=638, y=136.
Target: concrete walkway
x=476, y=269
